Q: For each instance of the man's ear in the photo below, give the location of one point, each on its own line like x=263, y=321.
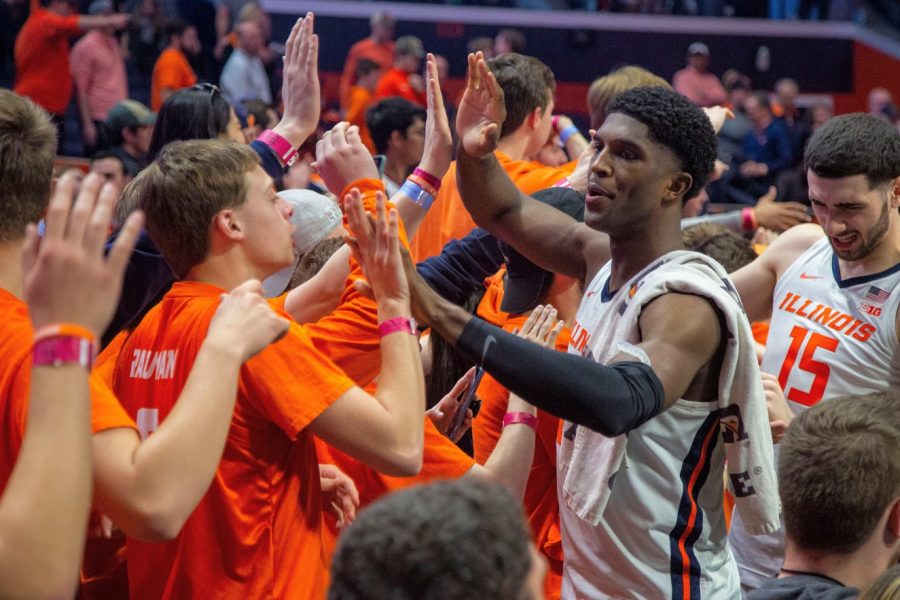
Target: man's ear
x=534, y=117
x=893, y=521
x=678, y=187
x=227, y=223
x=895, y=193
x=396, y=138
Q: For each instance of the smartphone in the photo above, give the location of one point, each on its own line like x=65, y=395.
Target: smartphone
x=466, y=403
x=380, y=160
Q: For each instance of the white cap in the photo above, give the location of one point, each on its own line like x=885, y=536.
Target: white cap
x=315, y=218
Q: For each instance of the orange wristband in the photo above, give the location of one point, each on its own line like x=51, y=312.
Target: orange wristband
x=63, y=330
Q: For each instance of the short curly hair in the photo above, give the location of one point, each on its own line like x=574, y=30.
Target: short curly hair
x=855, y=144
x=678, y=124
x=450, y=540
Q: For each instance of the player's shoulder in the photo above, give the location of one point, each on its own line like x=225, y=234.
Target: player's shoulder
x=790, y=245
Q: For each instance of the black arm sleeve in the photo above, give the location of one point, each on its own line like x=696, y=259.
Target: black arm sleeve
x=611, y=400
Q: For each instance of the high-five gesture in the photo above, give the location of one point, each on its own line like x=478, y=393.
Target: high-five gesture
x=481, y=110
x=438, y=150
x=375, y=245
x=67, y=276
x=301, y=89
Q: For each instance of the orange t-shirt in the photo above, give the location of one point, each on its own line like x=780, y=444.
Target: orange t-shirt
x=172, y=71
x=449, y=220
x=42, y=59
x=395, y=82
x=441, y=459
x=15, y=386
x=258, y=530
x=359, y=100
x=383, y=54
x=540, y=501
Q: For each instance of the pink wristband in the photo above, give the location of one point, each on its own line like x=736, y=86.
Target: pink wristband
x=748, y=219
x=62, y=350
x=428, y=177
x=282, y=148
x=401, y=324
x=512, y=418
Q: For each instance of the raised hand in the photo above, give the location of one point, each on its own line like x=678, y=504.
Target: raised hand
x=300, y=91
x=442, y=413
x=67, y=277
x=341, y=158
x=245, y=320
x=375, y=245
x=778, y=216
x=541, y=327
x=438, y=140
x=481, y=110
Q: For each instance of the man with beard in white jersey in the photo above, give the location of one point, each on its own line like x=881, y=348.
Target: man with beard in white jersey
x=831, y=290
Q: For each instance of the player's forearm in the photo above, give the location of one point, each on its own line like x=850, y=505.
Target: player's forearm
x=609, y=399
x=443, y=316
x=173, y=467
x=401, y=385
x=485, y=188
x=44, y=508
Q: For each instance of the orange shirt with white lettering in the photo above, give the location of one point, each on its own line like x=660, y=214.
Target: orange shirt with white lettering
x=258, y=531
x=448, y=218
x=16, y=334
x=172, y=71
x=540, y=500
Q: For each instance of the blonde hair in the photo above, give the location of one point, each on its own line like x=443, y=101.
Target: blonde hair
x=605, y=89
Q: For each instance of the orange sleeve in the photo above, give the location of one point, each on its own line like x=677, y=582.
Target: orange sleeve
x=349, y=335
x=531, y=177
x=441, y=459
x=106, y=411
x=291, y=382
x=55, y=25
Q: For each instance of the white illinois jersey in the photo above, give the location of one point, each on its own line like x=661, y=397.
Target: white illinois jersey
x=828, y=337
x=662, y=533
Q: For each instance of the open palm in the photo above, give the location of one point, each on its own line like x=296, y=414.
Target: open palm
x=481, y=110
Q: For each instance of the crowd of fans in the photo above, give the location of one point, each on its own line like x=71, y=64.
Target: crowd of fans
x=210, y=361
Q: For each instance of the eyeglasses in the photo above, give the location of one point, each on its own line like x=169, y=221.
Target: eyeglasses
x=212, y=88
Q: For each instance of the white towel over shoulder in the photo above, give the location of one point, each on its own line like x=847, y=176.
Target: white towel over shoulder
x=743, y=418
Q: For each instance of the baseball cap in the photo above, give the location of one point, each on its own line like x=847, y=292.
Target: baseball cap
x=129, y=113
x=315, y=217
x=100, y=7
x=409, y=45
x=525, y=281
x=698, y=48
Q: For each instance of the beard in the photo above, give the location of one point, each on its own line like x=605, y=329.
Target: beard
x=869, y=241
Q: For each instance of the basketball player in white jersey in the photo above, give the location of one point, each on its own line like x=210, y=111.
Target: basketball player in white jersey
x=667, y=537
x=831, y=290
